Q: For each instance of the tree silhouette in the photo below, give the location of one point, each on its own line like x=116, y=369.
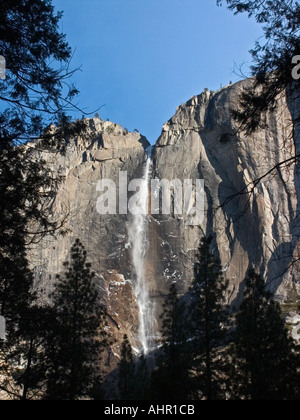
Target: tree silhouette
x=126, y=371
x=265, y=358
x=36, y=90
x=24, y=360
x=142, y=379
x=170, y=380
x=78, y=336
x=273, y=84
x=272, y=58
x=16, y=298
x=34, y=93
x=208, y=322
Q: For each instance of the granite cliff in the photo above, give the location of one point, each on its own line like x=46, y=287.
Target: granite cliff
x=255, y=228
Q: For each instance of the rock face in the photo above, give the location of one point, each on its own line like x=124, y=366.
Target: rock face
x=104, y=236
x=255, y=228
x=201, y=141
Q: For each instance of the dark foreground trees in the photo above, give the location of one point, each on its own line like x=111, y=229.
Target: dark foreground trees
x=193, y=335
x=22, y=354
x=133, y=374
x=57, y=349
x=209, y=319
x=203, y=359
x=272, y=57
x=265, y=359
x=170, y=380
x=126, y=371
x=36, y=88
x=78, y=334
x=54, y=352
x=34, y=93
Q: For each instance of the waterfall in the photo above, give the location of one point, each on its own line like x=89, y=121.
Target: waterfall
x=137, y=235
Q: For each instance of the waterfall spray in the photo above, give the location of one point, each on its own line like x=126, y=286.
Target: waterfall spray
x=137, y=233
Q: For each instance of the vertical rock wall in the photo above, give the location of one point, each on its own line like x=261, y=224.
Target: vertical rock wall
x=255, y=228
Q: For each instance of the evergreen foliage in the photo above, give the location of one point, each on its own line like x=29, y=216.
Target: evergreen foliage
x=272, y=58
x=78, y=335
x=208, y=322
x=170, y=380
x=265, y=358
x=126, y=371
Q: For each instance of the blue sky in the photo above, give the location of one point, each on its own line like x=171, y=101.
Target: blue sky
x=140, y=59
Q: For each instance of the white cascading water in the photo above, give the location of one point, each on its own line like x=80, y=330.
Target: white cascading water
x=137, y=235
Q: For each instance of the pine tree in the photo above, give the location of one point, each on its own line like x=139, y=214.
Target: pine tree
x=22, y=354
x=208, y=322
x=26, y=359
x=126, y=371
x=35, y=91
x=78, y=335
x=32, y=95
x=15, y=300
x=170, y=380
x=272, y=56
x=141, y=379
x=265, y=359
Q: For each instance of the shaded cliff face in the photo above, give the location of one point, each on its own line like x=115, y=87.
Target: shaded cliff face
x=199, y=142
x=255, y=228
x=105, y=237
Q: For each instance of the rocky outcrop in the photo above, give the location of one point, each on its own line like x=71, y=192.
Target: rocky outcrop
x=84, y=163
x=253, y=224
